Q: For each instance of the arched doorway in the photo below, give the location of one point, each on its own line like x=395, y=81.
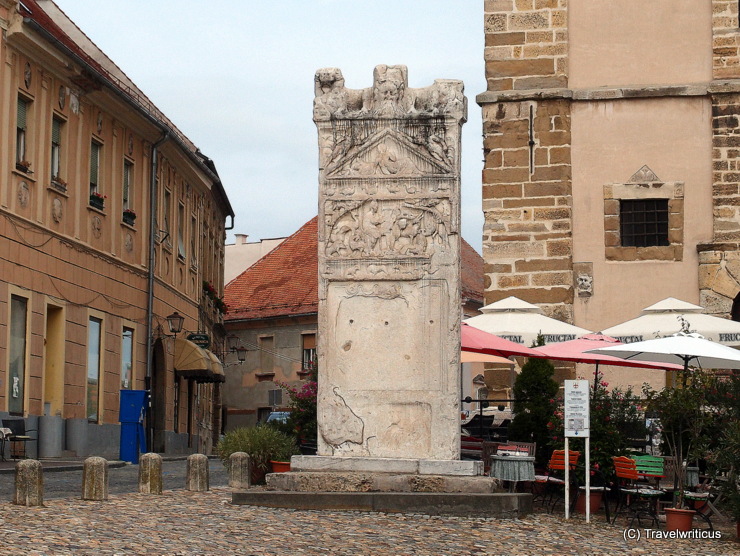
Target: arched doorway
x=735, y=312
x=157, y=411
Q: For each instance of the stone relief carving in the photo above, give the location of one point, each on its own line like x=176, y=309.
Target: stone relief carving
x=97, y=226
x=56, y=209
x=583, y=276
x=421, y=150
x=644, y=175
x=585, y=285
x=129, y=243
x=340, y=424
x=389, y=97
x=24, y=194
x=386, y=228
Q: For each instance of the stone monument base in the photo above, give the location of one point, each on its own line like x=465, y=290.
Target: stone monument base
x=330, y=481
x=465, y=468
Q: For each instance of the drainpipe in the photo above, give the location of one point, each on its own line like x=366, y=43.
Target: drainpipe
x=150, y=286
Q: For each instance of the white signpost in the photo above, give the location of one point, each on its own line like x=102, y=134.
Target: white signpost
x=577, y=402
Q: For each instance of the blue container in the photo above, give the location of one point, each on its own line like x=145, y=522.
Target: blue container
x=131, y=416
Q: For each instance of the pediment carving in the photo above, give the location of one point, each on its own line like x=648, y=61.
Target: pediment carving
x=391, y=153
x=644, y=175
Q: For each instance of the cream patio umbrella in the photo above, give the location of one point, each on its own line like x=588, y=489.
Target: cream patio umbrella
x=518, y=321
x=687, y=349
x=672, y=315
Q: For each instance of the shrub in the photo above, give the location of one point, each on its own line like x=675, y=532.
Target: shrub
x=534, y=392
x=262, y=443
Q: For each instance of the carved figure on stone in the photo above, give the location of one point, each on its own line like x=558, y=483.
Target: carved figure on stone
x=389, y=97
x=341, y=425
x=387, y=228
x=585, y=285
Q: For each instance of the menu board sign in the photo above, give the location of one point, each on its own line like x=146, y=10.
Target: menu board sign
x=577, y=408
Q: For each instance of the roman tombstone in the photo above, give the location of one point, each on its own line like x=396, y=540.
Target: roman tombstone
x=389, y=268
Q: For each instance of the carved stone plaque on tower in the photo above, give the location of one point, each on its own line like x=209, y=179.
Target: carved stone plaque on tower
x=389, y=266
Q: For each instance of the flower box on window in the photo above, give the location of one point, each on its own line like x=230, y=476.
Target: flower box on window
x=129, y=217
x=59, y=184
x=24, y=166
x=97, y=201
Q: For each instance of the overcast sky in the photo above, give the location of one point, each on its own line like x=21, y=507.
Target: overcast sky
x=236, y=76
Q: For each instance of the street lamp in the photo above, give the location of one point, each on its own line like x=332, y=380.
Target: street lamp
x=232, y=341
x=241, y=354
x=174, y=322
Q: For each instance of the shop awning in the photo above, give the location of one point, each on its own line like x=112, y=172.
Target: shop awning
x=196, y=363
x=217, y=367
x=192, y=361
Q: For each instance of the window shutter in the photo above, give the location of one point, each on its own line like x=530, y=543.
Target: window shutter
x=22, y=109
x=94, y=161
x=56, y=132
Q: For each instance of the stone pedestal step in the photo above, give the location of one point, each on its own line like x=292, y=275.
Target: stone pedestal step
x=500, y=505
x=326, y=481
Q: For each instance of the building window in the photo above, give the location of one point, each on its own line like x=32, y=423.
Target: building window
x=20, y=134
x=644, y=219
x=181, y=231
x=166, y=215
x=267, y=357
x=275, y=397
x=309, y=351
x=17, y=353
x=56, y=148
x=94, y=340
x=193, y=241
x=128, y=172
x=95, y=152
x=127, y=358
x=643, y=222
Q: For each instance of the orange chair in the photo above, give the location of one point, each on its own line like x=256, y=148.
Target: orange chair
x=639, y=499
x=550, y=488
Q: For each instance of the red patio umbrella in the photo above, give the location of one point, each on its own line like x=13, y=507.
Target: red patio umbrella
x=576, y=350
x=477, y=341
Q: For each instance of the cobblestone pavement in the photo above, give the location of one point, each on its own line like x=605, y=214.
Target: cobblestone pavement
x=182, y=522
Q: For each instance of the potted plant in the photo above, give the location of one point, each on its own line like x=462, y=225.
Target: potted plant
x=23, y=166
x=59, y=183
x=97, y=200
x=684, y=414
x=129, y=216
x=262, y=444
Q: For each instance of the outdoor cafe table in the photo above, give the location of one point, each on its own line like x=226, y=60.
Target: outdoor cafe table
x=512, y=468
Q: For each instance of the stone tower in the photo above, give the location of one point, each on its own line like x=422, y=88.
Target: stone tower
x=389, y=267
x=599, y=117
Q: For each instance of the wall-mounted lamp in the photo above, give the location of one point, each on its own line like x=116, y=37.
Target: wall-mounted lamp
x=233, y=344
x=175, y=322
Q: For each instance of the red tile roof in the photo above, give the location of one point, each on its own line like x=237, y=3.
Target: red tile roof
x=285, y=281
x=282, y=283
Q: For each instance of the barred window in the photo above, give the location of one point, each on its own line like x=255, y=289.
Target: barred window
x=643, y=222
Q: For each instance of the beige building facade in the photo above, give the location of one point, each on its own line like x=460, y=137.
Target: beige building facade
x=110, y=220
x=610, y=178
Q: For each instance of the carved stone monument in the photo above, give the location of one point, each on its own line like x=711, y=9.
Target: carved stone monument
x=389, y=274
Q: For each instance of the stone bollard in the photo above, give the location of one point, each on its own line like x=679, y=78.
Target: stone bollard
x=239, y=465
x=29, y=483
x=150, y=473
x=197, y=472
x=95, y=479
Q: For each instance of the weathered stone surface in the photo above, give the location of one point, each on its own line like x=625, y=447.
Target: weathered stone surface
x=150, y=473
x=95, y=479
x=196, y=472
x=239, y=470
x=389, y=213
x=386, y=465
x=330, y=481
x=29, y=483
